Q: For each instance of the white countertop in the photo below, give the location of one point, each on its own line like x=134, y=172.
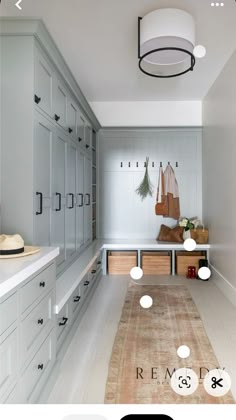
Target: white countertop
x=15, y=270
x=145, y=244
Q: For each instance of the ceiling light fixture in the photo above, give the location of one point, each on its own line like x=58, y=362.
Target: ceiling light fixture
x=166, y=40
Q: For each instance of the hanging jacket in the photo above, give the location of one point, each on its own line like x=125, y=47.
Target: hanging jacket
x=171, y=193
x=161, y=207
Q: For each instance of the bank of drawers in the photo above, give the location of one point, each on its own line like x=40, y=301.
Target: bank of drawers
x=8, y=312
x=8, y=362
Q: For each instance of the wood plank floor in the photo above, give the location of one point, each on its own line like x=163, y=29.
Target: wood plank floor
x=83, y=372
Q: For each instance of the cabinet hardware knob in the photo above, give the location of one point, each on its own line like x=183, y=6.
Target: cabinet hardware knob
x=79, y=139
x=57, y=117
x=86, y=283
x=99, y=262
x=76, y=298
x=42, y=284
x=40, y=195
x=40, y=366
x=93, y=271
x=37, y=99
x=40, y=321
x=87, y=146
x=70, y=130
x=63, y=322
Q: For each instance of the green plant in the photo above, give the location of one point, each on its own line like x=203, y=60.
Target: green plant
x=146, y=187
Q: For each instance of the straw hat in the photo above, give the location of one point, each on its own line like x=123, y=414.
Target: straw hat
x=12, y=246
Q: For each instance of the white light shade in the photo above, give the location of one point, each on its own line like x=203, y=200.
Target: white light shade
x=167, y=28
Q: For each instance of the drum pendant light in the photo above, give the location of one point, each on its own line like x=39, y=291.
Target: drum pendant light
x=166, y=40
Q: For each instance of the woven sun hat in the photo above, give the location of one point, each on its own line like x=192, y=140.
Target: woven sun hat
x=12, y=246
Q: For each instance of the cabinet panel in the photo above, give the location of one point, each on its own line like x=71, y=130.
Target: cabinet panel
x=70, y=202
x=42, y=180
x=58, y=194
x=8, y=362
x=81, y=129
x=8, y=312
x=60, y=103
x=88, y=136
x=43, y=83
x=87, y=200
x=72, y=118
x=80, y=201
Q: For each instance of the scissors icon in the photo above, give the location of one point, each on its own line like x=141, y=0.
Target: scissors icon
x=216, y=382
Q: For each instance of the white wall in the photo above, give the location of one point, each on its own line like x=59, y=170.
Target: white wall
x=219, y=177
x=122, y=213
x=149, y=114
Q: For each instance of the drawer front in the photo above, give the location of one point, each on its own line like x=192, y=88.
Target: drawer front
x=43, y=83
x=121, y=262
x=32, y=380
x=85, y=285
x=37, y=287
x=63, y=322
x=8, y=312
x=39, y=321
x=76, y=301
x=8, y=362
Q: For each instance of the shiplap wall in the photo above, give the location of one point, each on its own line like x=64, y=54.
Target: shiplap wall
x=122, y=214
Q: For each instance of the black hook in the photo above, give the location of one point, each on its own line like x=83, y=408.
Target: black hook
x=121, y=164
x=168, y=163
x=129, y=165
x=136, y=164
x=160, y=164
x=145, y=164
x=177, y=165
x=153, y=164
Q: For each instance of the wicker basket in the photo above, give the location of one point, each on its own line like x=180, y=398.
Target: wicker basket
x=200, y=235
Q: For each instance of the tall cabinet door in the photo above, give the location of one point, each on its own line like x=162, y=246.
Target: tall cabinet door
x=58, y=194
x=70, y=202
x=43, y=133
x=80, y=201
x=87, y=199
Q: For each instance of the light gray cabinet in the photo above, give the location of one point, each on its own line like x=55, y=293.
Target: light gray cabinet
x=87, y=199
x=80, y=201
x=70, y=202
x=60, y=103
x=43, y=82
x=72, y=118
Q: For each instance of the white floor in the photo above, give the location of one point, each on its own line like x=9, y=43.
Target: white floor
x=83, y=371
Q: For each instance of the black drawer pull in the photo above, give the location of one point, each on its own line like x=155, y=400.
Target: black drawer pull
x=81, y=199
x=93, y=271
x=79, y=139
x=42, y=284
x=86, y=283
x=99, y=262
x=72, y=201
x=57, y=117
x=40, y=366
x=40, y=203
x=40, y=321
x=89, y=200
x=87, y=146
x=70, y=130
x=63, y=322
x=76, y=298
x=59, y=204
x=37, y=99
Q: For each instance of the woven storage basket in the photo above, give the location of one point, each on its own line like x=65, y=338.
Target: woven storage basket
x=200, y=235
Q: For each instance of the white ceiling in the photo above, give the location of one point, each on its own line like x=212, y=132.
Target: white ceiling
x=98, y=39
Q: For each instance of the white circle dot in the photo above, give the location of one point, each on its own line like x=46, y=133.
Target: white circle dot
x=222, y=4
x=204, y=273
x=189, y=244
x=146, y=301
x=199, y=51
x=136, y=273
x=217, y=4
x=183, y=352
x=212, y=4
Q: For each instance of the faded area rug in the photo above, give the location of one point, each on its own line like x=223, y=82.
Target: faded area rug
x=144, y=352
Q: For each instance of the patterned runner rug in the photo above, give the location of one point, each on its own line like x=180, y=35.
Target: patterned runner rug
x=144, y=352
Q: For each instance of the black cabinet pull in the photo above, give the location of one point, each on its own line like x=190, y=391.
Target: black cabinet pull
x=86, y=283
x=70, y=130
x=99, y=262
x=87, y=146
x=79, y=139
x=81, y=199
x=93, y=271
x=37, y=99
x=63, y=322
x=57, y=118
x=40, y=321
x=88, y=203
x=40, y=366
x=42, y=284
x=59, y=202
x=76, y=298
x=72, y=200
x=40, y=195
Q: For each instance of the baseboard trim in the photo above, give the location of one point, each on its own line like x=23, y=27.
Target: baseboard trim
x=224, y=285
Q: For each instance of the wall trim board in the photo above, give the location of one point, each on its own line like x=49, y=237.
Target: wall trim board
x=224, y=285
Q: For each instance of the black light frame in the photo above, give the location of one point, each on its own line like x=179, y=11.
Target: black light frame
x=141, y=58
